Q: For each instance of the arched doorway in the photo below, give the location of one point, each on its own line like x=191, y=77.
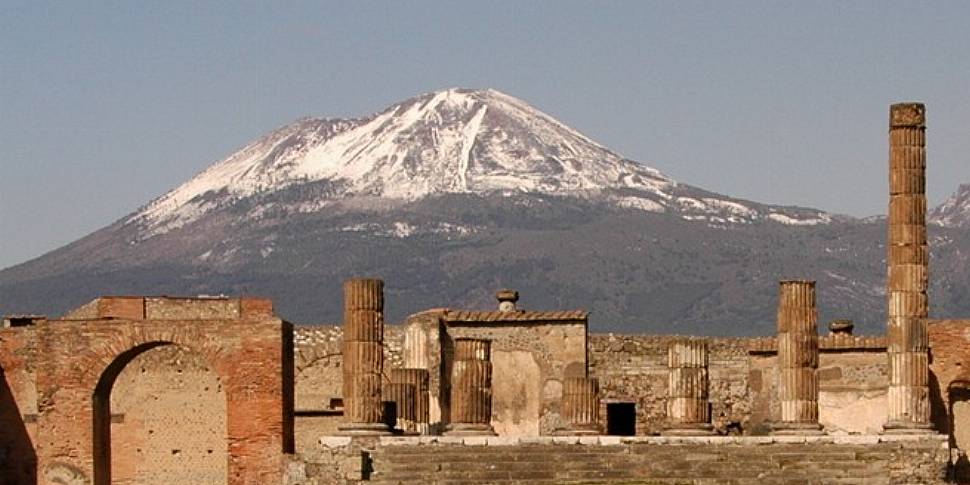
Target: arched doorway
x=959, y=398
x=160, y=418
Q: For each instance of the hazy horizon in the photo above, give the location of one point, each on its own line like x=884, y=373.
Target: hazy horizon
x=107, y=107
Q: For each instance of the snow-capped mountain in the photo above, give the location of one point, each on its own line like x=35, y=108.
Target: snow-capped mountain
x=453, y=194
x=451, y=141
x=955, y=211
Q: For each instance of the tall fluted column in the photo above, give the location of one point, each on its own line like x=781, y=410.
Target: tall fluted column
x=688, y=410
x=471, y=388
x=797, y=358
x=363, y=356
x=581, y=405
x=418, y=380
x=907, y=260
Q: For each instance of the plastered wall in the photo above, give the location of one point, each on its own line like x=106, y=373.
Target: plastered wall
x=168, y=420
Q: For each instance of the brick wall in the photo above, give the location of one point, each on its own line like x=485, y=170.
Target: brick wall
x=245, y=355
x=18, y=405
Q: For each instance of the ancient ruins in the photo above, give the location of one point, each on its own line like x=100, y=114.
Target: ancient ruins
x=218, y=390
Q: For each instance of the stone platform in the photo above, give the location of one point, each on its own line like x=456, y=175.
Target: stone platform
x=869, y=459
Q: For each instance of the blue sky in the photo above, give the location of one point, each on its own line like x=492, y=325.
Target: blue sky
x=106, y=105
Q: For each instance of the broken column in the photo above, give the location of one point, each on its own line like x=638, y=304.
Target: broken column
x=471, y=388
x=363, y=357
x=417, y=379
x=797, y=358
x=688, y=410
x=580, y=405
x=907, y=260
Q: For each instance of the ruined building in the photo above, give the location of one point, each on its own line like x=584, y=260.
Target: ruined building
x=159, y=390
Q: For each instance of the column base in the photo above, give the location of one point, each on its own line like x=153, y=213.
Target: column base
x=688, y=429
x=905, y=427
x=364, y=429
x=782, y=428
x=468, y=429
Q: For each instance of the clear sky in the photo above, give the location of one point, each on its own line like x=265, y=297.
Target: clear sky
x=106, y=105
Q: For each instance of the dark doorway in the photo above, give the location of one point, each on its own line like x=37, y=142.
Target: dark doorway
x=621, y=418
x=18, y=462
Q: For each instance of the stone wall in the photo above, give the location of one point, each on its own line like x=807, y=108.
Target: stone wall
x=529, y=361
x=853, y=375
x=634, y=368
x=318, y=378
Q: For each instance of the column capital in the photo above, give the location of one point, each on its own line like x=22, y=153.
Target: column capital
x=907, y=115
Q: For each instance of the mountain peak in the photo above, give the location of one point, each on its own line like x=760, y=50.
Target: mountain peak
x=955, y=211
x=456, y=140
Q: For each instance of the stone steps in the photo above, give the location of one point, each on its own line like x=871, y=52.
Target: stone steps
x=538, y=464
x=643, y=460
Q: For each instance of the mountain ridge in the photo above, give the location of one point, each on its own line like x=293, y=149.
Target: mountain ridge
x=540, y=208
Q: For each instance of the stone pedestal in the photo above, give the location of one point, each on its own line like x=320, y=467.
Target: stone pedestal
x=797, y=358
x=908, y=264
x=580, y=406
x=418, y=380
x=363, y=357
x=688, y=409
x=471, y=388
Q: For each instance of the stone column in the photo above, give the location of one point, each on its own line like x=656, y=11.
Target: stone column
x=363, y=357
x=415, y=347
x=418, y=380
x=471, y=388
x=907, y=260
x=581, y=406
x=688, y=409
x=797, y=358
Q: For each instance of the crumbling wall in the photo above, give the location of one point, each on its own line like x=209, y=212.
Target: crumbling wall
x=318, y=378
x=950, y=387
x=529, y=361
x=634, y=368
x=949, y=363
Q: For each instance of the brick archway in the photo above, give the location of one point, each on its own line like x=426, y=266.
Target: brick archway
x=86, y=356
x=104, y=445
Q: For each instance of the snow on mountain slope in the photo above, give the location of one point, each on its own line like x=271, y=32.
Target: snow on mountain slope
x=451, y=141
x=955, y=211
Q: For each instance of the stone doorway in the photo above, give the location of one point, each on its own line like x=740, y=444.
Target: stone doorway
x=959, y=395
x=621, y=418
x=160, y=418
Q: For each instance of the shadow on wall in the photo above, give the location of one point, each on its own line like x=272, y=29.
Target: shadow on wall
x=18, y=461
x=939, y=414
